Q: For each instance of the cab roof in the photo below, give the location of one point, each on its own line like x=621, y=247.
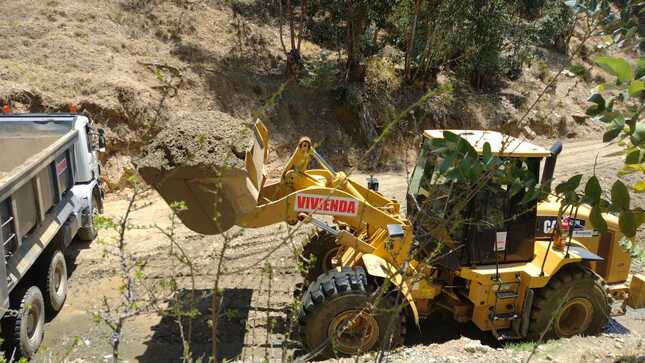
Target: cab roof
x=500, y=144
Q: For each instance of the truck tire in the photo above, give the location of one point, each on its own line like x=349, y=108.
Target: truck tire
x=89, y=233
x=585, y=311
x=340, y=297
x=54, y=284
x=321, y=249
x=25, y=331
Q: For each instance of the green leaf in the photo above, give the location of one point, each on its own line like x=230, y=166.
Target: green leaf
x=599, y=105
x=608, y=117
x=620, y=196
x=619, y=67
x=631, y=122
x=593, y=190
x=600, y=87
x=570, y=185
x=610, y=134
x=627, y=223
x=465, y=148
x=635, y=88
x=597, y=98
x=639, y=187
x=515, y=188
x=597, y=220
x=594, y=110
x=639, y=214
x=609, y=104
x=445, y=164
x=638, y=136
x=487, y=152
x=451, y=136
x=633, y=157
x=614, y=128
x=640, y=67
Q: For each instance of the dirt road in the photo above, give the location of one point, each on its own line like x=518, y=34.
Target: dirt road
x=256, y=319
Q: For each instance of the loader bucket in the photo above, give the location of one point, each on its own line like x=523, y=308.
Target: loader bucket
x=213, y=198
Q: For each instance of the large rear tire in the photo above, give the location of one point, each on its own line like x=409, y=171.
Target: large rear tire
x=89, y=233
x=25, y=331
x=318, y=253
x=340, y=317
x=574, y=302
x=54, y=284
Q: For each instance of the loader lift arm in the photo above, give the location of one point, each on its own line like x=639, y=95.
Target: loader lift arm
x=302, y=192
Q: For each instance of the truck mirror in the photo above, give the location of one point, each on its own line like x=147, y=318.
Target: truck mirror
x=102, y=143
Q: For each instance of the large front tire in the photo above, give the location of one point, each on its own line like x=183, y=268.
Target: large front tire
x=25, y=331
x=573, y=303
x=318, y=253
x=340, y=317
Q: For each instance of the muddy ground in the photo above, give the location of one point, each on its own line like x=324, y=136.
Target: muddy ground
x=255, y=321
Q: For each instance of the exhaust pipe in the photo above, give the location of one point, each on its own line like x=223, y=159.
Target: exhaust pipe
x=549, y=163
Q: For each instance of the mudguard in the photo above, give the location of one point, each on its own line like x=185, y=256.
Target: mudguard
x=379, y=267
x=636, y=298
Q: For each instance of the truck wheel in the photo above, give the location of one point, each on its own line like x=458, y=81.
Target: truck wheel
x=339, y=317
x=89, y=233
x=322, y=247
x=55, y=283
x=25, y=332
x=584, y=312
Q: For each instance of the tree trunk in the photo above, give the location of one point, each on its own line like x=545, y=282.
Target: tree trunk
x=303, y=17
x=280, y=22
x=408, y=53
x=375, y=36
x=356, y=20
x=293, y=55
x=292, y=30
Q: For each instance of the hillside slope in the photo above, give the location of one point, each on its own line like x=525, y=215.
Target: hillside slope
x=133, y=64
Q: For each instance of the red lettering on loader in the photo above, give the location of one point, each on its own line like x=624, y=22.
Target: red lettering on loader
x=331, y=205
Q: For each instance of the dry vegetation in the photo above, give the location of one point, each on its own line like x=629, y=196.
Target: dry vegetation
x=134, y=65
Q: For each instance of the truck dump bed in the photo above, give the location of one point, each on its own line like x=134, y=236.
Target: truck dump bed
x=19, y=143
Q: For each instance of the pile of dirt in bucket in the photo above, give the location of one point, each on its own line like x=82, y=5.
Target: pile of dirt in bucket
x=197, y=165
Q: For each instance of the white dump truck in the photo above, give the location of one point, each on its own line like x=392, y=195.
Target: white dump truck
x=49, y=195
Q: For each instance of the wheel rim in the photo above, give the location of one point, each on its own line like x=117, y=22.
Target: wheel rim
x=327, y=264
x=353, y=331
x=33, y=321
x=58, y=279
x=574, y=318
x=95, y=212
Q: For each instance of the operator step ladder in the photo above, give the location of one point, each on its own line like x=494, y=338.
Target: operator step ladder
x=506, y=294
x=509, y=291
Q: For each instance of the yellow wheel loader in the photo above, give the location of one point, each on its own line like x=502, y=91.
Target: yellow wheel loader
x=375, y=268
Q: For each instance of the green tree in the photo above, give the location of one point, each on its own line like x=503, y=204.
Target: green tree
x=480, y=41
x=617, y=103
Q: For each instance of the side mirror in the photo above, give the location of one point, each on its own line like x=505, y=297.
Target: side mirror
x=102, y=143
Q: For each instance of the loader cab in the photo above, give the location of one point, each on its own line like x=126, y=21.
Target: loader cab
x=488, y=224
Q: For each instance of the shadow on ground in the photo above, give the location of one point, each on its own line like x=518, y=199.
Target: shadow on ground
x=440, y=328
x=166, y=343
